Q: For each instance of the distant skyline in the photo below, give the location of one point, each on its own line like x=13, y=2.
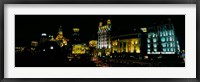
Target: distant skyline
x=30, y=27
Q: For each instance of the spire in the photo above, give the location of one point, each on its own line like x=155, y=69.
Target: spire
x=101, y=23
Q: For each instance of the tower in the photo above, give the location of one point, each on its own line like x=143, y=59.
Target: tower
x=76, y=35
x=60, y=39
x=104, y=41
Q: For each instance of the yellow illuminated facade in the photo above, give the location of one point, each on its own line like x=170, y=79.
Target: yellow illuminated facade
x=76, y=29
x=62, y=41
x=93, y=43
x=78, y=49
x=126, y=45
x=34, y=43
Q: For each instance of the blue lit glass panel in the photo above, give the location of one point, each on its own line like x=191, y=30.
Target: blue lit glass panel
x=148, y=50
x=155, y=50
x=163, y=39
x=153, y=35
x=155, y=45
x=168, y=49
x=149, y=35
x=148, y=45
x=161, y=34
x=154, y=40
x=148, y=40
x=163, y=45
x=166, y=33
x=167, y=38
x=170, y=38
x=164, y=49
x=170, y=33
x=172, y=50
x=171, y=45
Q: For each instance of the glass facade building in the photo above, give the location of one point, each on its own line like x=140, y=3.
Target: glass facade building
x=162, y=40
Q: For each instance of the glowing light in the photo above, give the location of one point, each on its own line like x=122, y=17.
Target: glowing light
x=76, y=29
x=144, y=29
x=44, y=50
x=51, y=47
x=44, y=34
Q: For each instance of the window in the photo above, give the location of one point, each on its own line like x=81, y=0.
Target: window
x=163, y=39
x=163, y=44
x=170, y=38
x=164, y=49
x=167, y=38
x=148, y=50
x=148, y=45
x=172, y=49
x=155, y=45
x=171, y=45
x=148, y=40
x=170, y=33
x=154, y=40
x=161, y=34
x=155, y=50
x=149, y=35
x=166, y=33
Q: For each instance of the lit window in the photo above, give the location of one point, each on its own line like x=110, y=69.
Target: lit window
x=166, y=33
x=155, y=45
x=170, y=38
x=149, y=35
x=148, y=40
x=167, y=39
x=163, y=39
x=148, y=50
x=168, y=49
x=164, y=49
x=171, y=45
x=163, y=45
x=161, y=34
x=172, y=50
x=148, y=45
x=155, y=50
x=154, y=40
x=170, y=33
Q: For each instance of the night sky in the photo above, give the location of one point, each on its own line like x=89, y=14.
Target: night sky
x=30, y=27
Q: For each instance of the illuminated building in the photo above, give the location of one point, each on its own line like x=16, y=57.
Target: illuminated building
x=43, y=38
x=129, y=43
x=60, y=39
x=19, y=49
x=79, y=49
x=93, y=43
x=93, y=47
x=162, y=40
x=34, y=43
x=76, y=36
x=104, y=41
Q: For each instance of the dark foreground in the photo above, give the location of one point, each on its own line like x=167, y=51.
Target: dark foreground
x=86, y=60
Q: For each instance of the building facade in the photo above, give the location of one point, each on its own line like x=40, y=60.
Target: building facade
x=129, y=43
x=162, y=40
x=104, y=41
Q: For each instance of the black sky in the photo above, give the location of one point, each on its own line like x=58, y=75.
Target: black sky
x=30, y=27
